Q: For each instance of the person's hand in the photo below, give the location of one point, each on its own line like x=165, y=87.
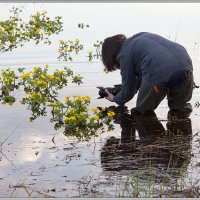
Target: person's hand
x=110, y=95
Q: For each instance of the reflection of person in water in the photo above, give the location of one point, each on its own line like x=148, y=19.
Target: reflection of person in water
x=156, y=146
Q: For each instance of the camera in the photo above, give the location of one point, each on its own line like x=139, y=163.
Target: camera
x=113, y=90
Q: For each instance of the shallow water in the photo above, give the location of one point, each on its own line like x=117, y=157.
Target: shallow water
x=32, y=165
x=37, y=161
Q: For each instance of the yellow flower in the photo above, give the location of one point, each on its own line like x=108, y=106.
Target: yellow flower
x=42, y=76
x=67, y=99
x=87, y=98
x=23, y=76
x=69, y=111
x=77, y=116
x=37, y=31
x=40, y=82
x=66, y=119
x=110, y=114
x=49, y=76
x=96, y=117
x=6, y=26
x=76, y=41
x=95, y=110
x=103, y=108
x=82, y=97
x=35, y=68
x=73, y=118
x=33, y=96
x=26, y=75
x=81, y=113
x=78, y=97
x=31, y=21
x=58, y=79
x=69, y=119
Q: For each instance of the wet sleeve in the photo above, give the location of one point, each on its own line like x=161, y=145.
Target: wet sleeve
x=129, y=85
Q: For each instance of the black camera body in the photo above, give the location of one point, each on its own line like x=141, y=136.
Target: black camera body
x=113, y=90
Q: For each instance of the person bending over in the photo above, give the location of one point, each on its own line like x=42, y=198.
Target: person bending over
x=155, y=66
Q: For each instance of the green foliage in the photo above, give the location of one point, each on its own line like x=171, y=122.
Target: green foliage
x=97, y=54
x=98, y=46
x=78, y=120
x=68, y=47
x=14, y=32
x=41, y=91
x=82, y=25
x=41, y=87
x=40, y=27
x=8, y=83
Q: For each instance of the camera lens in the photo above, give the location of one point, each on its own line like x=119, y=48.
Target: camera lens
x=102, y=93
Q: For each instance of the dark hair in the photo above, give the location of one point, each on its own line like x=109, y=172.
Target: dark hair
x=110, y=48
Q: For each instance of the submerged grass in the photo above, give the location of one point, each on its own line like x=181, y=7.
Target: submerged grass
x=134, y=186
x=159, y=165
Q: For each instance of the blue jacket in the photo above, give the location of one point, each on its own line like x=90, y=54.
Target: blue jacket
x=147, y=59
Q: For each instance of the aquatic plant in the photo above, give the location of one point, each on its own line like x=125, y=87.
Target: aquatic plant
x=15, y=32
x=41, y=91
x=42, y=88
x=68, y=47
x=97, y=54
x=78, y=120
x=38, y=84
x=82, y=25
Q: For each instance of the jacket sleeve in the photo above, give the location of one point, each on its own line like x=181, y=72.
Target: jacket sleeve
x=129, y=85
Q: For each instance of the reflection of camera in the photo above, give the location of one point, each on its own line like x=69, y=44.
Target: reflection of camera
x=113, y=90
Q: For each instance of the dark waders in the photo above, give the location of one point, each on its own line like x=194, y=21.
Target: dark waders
x=178, y=97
